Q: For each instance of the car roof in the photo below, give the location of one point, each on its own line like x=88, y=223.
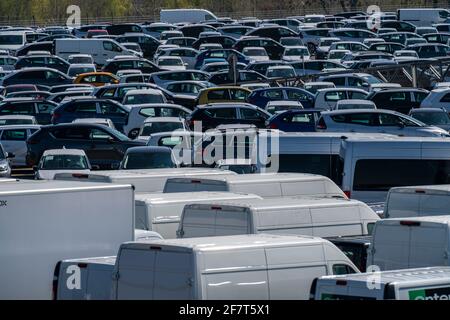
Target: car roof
x=74, y=152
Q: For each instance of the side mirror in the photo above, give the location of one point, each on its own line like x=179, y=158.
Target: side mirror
x=111, y=140
x=95, y=167
x=10, y=155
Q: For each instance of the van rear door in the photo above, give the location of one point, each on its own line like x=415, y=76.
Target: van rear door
x=428, y=245
x=155, y=273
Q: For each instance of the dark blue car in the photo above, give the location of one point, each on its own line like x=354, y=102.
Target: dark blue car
x=262, y=97
x=295, y=121
x=221, y=54
x=92, y=108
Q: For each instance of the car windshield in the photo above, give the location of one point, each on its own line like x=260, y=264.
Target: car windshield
x=372, y=79
x=80, y=60
x=11, y=40
x=157, y=127
x=143, y=99
x=170, y=62
x=280, y=73
x=337, y=55
x=12, y=122
x=64, y=162
x=77, y=71
x=297, y=52
x=147, y=160
x=433, y=118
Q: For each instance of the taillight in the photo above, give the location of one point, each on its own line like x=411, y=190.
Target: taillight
x=348, y=194
x=55, y=117
x=273, y=126
x=321, y=125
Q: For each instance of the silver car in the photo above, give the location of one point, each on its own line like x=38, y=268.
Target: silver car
x=376, y=121
x=5, y=158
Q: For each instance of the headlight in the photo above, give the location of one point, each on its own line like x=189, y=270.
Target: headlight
x=3, y=167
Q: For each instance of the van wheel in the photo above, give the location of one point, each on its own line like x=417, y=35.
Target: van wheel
x=133, y=134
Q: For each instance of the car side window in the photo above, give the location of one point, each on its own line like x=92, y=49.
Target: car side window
x=45, y=107
x=97, y=134
x=109, y=108
x=297, y=95
x=342, y=269
x=23, y=108
x=222, y=113
x=274, y=94
x=71, y=133
x=250, y=114
x=335, y=96
x=14, y=135
x=218, y=95
x=148, y=112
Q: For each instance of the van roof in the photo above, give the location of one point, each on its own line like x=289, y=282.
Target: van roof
x=229, y=243
x=36, y=187
x=251, y=178
x=398, y=276
x=163, y=198
x=281, y=203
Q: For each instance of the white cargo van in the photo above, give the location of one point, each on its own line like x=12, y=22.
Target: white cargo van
x=12, y=40
x=326, y=218
x=410, y=243
x=418, y=202
x=100, y=49
x=413, y=284
x=162, y=212
x=255, y=267
x=186, y=15
x=424, y=17
x=371, y=167
x=42, y=223
x=152, y=180
x=263, y=185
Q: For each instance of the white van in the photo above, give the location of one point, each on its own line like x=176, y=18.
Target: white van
x=371, y=167
x=410, y=243
x=162, y=212
x=418, y=202
x=101, y=50
x=186, y=16
x=318, y=217
x=423, y=17
x=42, y=223
x=12, y=40
x=412, y=284
x=255, y=267
x=149, y=181
x=263, y=185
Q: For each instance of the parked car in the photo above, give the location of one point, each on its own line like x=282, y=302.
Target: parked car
x=5, y=166
x=354, y=105
x=37, y=76
x=35, y=61
x=58, y=161
x=104, y=147
x=438, y=98
x=295, y=121
x=261, y=97
x=91, y=108
x=96, y=79
x=432, y=117
x=214, y=115
x=282, y=106
x=17, y=120
x=148, y=158
x=159, y=125
x=76, y=69
x=128, y=63
x=401, y=100
x=222, y=94
x=41, y=110
x=14, y=140
x=376, y=121
x=143, y=96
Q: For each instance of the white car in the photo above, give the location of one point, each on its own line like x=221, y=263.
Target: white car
x=14, y=120
x=153, y=126
x=355, y=104
x=313, y=87
x=139, y=113
x=274, y=107
x=327, y=98
x=14, y=140
x=76, y=69
x=286, y=71
x=171, y=63
x=298, y=53
x=58, y=161
x=405, y=55
x=128, y=72
x=5, y=159
x=80, y=59
x=337, y=55
x=439, y=98
x=256, y=53
x=210, y=46
x=143, y=96
x=376, y=121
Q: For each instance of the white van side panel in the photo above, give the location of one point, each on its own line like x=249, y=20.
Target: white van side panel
x=235, y=275
x=336, y=221
x=428, y=246
x=288, y=221
x=292, y=270
x=266, y=190
x=402, y=205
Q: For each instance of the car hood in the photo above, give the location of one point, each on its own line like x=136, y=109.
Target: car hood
x=50, y=174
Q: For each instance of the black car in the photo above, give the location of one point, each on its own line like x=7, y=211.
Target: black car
x=243, y=76
x=148, y=44
x=36, y=46
x=53, y=62
x=214, y=115
x=38, y=76
x=120, y=29
x=274, y=49
x=227, y=42
x=274, y=33
x=41, y=110
x=400, y=26
x=104, y=146
x=144, y=65
x=195, y=30
x=400, y=100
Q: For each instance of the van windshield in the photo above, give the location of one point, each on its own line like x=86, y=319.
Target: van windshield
x=11, y=39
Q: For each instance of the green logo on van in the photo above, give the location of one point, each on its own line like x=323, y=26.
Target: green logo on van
x=437, y=294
